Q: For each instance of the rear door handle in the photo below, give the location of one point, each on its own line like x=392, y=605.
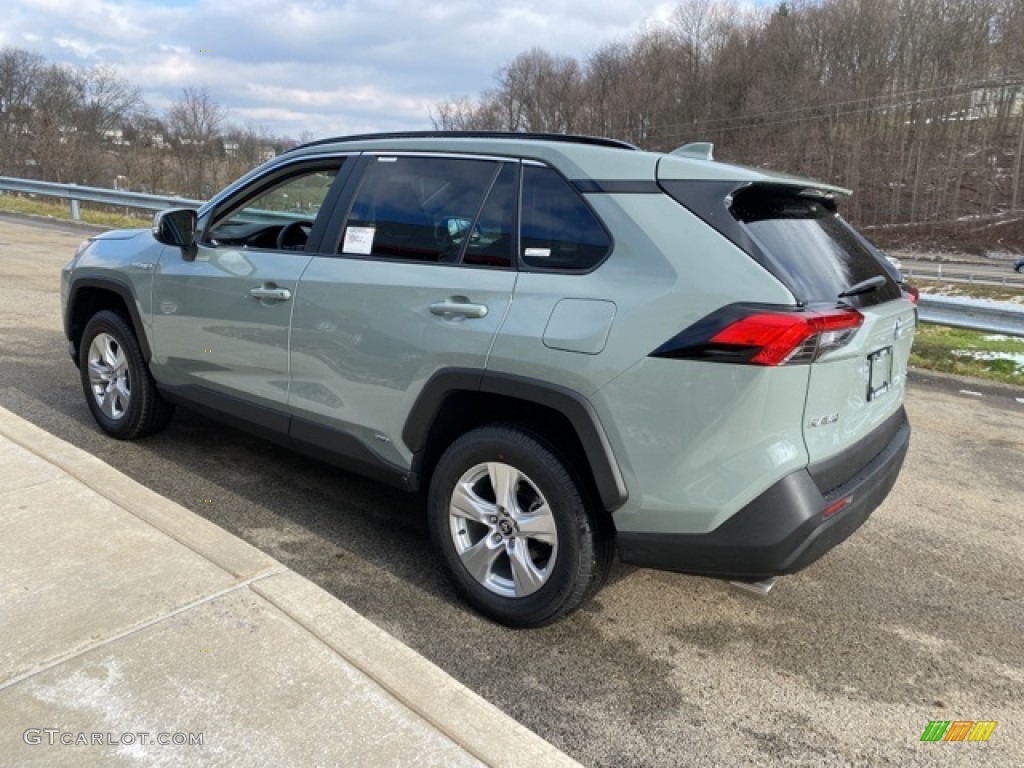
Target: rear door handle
x=458, y=306
x=270, y=293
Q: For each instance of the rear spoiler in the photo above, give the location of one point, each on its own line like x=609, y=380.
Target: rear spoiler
x=695, y=162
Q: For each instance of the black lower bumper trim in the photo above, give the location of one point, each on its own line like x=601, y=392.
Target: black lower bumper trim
x=784, y=529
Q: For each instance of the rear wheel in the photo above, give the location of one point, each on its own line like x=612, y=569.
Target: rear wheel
x=118, y=386
x=514, y=532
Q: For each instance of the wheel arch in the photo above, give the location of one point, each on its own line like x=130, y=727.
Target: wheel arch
x=89, y=295
x=454, y=401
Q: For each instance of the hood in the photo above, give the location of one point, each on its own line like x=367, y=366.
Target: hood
x=120, y=234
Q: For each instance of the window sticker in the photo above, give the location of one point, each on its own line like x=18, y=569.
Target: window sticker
x=358, y=240
x=537, y=253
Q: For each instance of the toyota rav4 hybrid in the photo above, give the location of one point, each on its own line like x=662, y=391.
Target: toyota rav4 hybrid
x=570, y=346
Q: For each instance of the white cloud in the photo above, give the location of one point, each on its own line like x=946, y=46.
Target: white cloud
x=328, y=67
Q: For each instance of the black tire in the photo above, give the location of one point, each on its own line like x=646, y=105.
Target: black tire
x=583, y=544
x=136, y=409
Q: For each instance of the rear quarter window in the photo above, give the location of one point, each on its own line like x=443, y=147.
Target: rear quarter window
x=559, y=231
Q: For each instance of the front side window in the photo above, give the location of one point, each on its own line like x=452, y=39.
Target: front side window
x=559, y=231
x=278, y=214
x=433, y=209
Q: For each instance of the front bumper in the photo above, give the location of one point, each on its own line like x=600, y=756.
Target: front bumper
x=784, y=529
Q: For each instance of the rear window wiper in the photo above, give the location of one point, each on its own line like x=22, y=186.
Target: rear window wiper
x=864, y=286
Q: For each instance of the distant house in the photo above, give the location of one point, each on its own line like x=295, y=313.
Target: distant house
x=153, y=139
x=115, y=136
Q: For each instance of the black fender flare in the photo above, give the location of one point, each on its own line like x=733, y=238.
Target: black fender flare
x=575, y=407
x=116, y=286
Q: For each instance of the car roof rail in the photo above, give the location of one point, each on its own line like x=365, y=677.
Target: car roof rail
x=567, y=138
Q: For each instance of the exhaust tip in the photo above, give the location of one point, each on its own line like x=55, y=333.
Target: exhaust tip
x=755, y=588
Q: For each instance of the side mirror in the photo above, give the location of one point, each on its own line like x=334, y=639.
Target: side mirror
x=177, y=226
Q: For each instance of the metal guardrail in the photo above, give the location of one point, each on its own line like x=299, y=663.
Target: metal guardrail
x=965, y=273
x=75, y=194
x=974, y=314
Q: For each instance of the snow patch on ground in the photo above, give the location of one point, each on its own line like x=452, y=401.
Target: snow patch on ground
x=980, y=354
x=953, y=291
x=1001, y=337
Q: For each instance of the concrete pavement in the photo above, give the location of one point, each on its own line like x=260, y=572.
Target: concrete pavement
x=134, y=632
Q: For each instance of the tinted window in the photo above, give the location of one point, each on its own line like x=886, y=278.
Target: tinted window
x=492, y=239
x=820, y=254
x=258, y=219
x=559, y=231
x=417, y=208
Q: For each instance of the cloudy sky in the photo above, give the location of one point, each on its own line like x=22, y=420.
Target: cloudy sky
x=322, y=66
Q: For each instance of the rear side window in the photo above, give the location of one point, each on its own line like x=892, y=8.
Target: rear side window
x=819, y=254
x=421, y=209
x=490, y=240
x=559, y=231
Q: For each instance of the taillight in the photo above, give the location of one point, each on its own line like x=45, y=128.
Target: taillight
x=911, y=292
x=739, y=334
x=836, y=506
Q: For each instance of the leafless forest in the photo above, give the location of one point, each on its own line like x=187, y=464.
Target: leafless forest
x=917, y=105
x=89, y=126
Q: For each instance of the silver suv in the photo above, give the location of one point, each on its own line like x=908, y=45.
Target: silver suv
x=570, y=346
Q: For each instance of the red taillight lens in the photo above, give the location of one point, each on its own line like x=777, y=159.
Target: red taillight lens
x=792, y=337
x=761, y=334
x=836, y=506
x=911, y=293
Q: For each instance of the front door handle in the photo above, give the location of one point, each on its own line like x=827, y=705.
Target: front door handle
x=270, y=293
x=458, y=306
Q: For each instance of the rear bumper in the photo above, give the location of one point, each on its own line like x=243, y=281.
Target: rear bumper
x=784, y=529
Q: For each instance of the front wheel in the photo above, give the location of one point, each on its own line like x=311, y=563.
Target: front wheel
x=116, y=381
x=513, y=530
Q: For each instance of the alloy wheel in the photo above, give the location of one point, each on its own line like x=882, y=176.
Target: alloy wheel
x=503, y=529
x=109, y=376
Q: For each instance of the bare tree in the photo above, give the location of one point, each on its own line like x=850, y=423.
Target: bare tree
x=193, y=123
x=459, y=115
x=19, y=72
x=54, y=138
x=247, y=146
x=918, y=104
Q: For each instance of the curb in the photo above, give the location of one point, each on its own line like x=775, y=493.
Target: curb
x=238, y=558
x=473, y=723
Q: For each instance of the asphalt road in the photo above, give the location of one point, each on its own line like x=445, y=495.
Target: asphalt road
x=989, y=273
x=976, y=264
x=918, y=617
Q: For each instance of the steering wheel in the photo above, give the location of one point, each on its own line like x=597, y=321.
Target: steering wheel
x=293, y=235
